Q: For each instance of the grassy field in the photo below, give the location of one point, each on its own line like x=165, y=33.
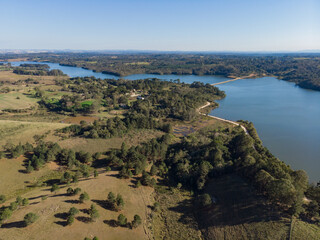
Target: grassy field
x=16, y=100
x=12, y=77
x=17, y=131
x=133, y=138
x=175, y=220
x=14, y=181
x=51, y=222
x=303, y=230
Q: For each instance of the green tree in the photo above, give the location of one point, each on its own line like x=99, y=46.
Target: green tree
x=93, y=212
x=29, y=167
x=204, y=200
x=84, y=197
x=122, y=220
x=13, y=206
x=25, y=202
x=111, y=199
x=119, y=202
x=95, y=173
x=73, y=211
x=30, y=218
x=5, y=214
x=136, y=221
x=138, y=184
x=70, y=191
x=54, y=188
x=70, y=220
x=19, y=200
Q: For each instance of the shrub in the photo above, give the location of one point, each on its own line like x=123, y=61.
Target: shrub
x=2, y=198
x=136, y=221
x=73, y=211
x=25, y=202
x=30, y=218
x=204, y=200
x=122, y=220
x=84, y=197
x=70, y=220
x=54, y=188
x=93, y=212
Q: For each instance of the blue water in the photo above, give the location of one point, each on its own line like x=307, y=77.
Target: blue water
x=286, y=117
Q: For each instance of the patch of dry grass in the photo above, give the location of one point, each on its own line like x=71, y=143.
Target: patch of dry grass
x=12, y=77
x=14, y=181
x=19, y=131
x=50, y=224
x=133, y=138
x=16, y=100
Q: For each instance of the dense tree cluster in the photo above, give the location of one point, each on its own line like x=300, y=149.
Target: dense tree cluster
x=44, y=152
x=37, y=70
x=194, y=160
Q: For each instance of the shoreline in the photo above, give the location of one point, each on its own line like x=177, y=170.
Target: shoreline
x=221, y=119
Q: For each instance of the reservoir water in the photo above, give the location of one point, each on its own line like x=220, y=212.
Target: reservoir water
x=286, y=117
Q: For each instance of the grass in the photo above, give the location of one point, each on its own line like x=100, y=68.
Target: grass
x=87, y=102
x=14, y=182
x=240, y=213
x=51, y=222
x=303, y=230
x=16, y=131
x=12, y=77
x=175, y=218
x=185, y=128
x=16, y=100
x=100, y=145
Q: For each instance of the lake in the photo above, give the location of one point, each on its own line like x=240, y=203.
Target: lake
x=286, y=117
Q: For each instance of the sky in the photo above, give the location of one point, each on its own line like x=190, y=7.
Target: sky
x=165, y=25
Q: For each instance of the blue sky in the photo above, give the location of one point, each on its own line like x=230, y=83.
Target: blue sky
x=187, y=25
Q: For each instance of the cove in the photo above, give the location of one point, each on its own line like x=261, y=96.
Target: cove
x=286, y=117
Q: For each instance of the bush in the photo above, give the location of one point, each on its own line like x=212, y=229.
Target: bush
x=204, y=200
x=84, y=197
x=25, y=202
x=2, y=198
x=70, y=191
x=54, y=188
x=73, y=211
x=13, y=206
x=156, y=207
x=122, y=220
x=70, y=220
x=76, y=191
x=93, y=212
x=5, y=214
x=30, y=218
x=136, y=221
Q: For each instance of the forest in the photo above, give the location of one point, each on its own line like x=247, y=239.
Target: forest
x=302, y=69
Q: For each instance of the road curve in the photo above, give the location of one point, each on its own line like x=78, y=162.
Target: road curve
x=221, y=119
